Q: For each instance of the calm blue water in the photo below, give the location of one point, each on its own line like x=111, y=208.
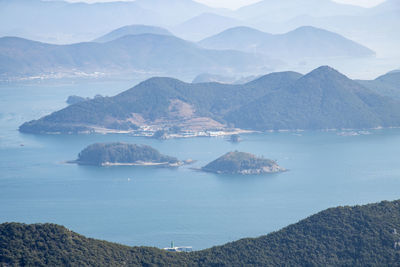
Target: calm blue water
x=153, y=206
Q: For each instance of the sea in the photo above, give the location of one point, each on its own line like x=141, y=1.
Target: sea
x=152, y=206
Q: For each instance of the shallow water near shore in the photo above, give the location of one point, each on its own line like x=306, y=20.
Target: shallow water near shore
x=153, y=206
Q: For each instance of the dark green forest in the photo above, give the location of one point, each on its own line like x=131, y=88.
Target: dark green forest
x=97, y=154
x=343, y=236
x=235, y=162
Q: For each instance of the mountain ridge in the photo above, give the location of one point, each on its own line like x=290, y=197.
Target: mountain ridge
x=303, y=42
x=341, y=236
x=131, y=53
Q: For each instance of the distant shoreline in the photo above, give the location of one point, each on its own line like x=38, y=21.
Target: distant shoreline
x=147, y=133
x=209, y=133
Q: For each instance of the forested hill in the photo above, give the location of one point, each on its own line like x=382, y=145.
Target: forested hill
x=343, y=236
x=322, y=99
x=153, y=99
x=122, y=153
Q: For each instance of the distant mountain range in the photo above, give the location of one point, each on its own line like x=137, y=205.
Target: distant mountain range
x=145, y=53
x=51, y=21
x=131, y=30
x=286, y=9
x=311, y=39
x=177, y=11
x=304, y=42
x=375, y=27
x=321, y=99
x=344, y=236
x=205, y=25
x=149, y=51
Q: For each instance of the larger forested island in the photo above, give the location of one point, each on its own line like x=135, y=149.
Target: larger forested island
x=108, y=154
x=344, y=236
x=242, y=163
x=322, y=99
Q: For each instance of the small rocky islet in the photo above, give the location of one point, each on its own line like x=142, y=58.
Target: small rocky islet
x=242, y=163
x=124, y=154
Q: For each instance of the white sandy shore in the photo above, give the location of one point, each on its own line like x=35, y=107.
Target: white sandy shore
x=143, y=163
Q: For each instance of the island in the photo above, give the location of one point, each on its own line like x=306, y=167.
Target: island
x=168, y=108
x=242, y=163
x=124, y=154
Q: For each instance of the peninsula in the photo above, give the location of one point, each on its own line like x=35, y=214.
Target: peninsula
x=123, y=154
x=242, y=163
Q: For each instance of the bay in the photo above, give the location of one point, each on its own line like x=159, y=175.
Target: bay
x=154, y=206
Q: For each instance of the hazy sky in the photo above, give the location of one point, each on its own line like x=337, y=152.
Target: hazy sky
x=239, y=3
x=233, y=4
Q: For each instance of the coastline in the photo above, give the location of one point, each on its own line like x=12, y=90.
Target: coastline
x=142, y=163
x=150, y=133
x=247, y=172
x=137, y=163
x=190, y=133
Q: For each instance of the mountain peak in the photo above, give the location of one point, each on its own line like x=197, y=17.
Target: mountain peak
x=307, y=28
x=326, y=71
x=311, y=30
x=134, y=29
x=325, y=68
x=326, y=77
x=243, y=29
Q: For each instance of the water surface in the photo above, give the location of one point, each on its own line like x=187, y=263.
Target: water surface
x=154, y=206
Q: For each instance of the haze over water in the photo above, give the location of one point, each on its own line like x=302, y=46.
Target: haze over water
x=153, y=206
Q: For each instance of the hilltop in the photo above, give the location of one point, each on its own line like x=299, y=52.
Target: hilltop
x=131, y=30
x=242, y=163
x=343, y=236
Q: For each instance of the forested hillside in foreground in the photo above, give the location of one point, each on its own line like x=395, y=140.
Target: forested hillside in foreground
x=343, y=236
